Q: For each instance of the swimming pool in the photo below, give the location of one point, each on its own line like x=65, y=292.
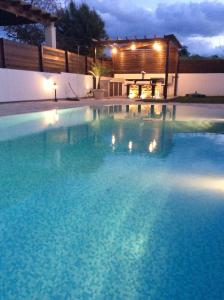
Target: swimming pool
x=120, y=202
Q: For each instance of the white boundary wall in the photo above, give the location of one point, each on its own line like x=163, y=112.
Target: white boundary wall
x=17, y=85
x=208, y=84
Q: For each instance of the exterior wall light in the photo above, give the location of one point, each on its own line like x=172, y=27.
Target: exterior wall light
x=133, y=47
x=114, y=50
x=157, y=46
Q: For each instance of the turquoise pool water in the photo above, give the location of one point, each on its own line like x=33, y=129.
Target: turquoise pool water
x=114, y=203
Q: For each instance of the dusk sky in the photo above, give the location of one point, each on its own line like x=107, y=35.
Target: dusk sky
x=197, y=24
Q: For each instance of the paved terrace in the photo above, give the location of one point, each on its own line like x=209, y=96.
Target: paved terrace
x=214, y=111
x=35, y=106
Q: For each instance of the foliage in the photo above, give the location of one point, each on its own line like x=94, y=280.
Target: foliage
x=98, y=70
x=32, y=33
x=78, y=26
x=184, y=52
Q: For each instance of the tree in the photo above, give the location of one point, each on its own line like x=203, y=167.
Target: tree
x=32, y=33
x=77, y=26
x=184, y=52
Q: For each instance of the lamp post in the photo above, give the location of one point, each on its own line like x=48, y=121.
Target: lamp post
x=55, y=92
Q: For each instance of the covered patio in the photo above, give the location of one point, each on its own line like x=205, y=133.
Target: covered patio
x=147, y=67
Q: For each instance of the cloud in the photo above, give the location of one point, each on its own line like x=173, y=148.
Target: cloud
x=204, y=19
x=206, y=45
x=186, y=20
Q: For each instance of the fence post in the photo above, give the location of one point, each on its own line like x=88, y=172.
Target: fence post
x=67, y=62
x=167, y=69
x=2, y=49
x=41, y=63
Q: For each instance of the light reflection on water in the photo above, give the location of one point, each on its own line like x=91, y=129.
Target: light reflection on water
x=113, y=203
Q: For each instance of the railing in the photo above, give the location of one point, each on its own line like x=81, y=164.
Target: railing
x=19, y=56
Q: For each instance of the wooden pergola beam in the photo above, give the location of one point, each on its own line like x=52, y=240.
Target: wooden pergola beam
x=23, y=13
x=109, y=42
x=123, y=41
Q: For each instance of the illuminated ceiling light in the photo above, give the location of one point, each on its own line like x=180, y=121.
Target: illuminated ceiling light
x=114, y=50
x=157, y=46
x=133, y=47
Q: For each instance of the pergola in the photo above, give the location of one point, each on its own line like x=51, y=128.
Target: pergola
x=18, y=12
x=160, y=54
x=108, y=42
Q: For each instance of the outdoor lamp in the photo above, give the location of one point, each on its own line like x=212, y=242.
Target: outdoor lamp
x=55, y=91
x=157, y=46
x=133, y=47
x=114, y=50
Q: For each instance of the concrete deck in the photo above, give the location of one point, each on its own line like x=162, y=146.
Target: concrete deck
x=36, y=106
x=6, y=109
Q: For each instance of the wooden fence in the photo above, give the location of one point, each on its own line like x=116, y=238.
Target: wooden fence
x=44, y=59
x=201, y=66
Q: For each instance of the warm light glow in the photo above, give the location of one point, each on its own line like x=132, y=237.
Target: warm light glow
x=134, y=91
x=152, y=146
x=113, y=140
x=201, y=182
x=56, y=116
x=157, y=46
x=146, y=91
x=114, y=50
x=50, y=85
x=133, y=47
x=130, y=146
x=157, y=109
x=51, y=117
x=158, y=91
x=133, y=109
x=131, y=95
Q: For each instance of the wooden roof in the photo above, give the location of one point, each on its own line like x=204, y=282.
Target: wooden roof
x=139, y=42
x=18, y=12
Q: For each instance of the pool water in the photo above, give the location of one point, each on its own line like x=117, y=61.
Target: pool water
x=111, y=203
